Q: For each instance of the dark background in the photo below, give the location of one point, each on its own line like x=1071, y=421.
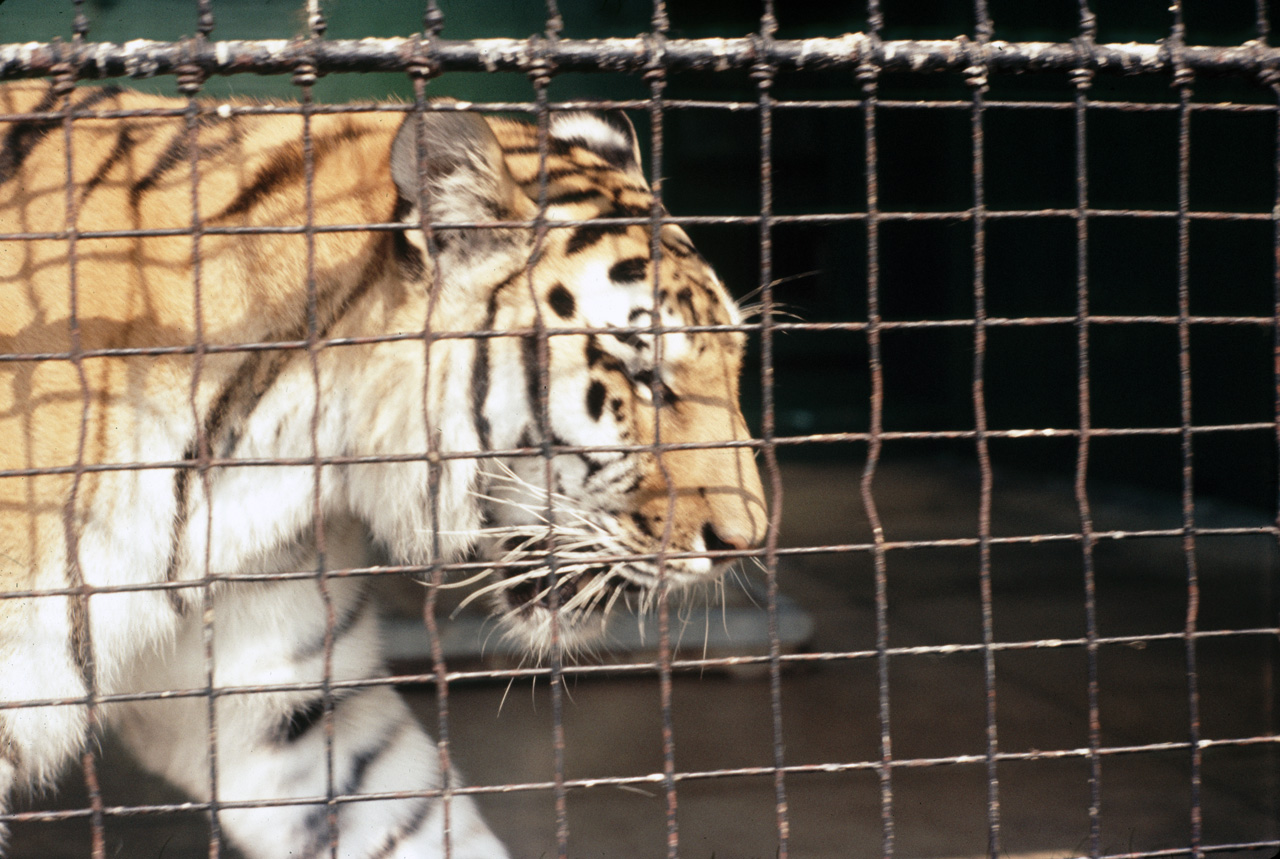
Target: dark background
x=712, y=167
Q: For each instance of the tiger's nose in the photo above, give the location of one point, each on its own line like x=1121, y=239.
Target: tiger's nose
x=717, y=540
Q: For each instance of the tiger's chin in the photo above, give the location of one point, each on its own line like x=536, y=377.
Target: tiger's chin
x=572, y=610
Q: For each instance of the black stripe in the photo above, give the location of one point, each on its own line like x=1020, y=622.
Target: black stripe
x=181, y=490
x=23, y=137
x=301, y=720
x=406, y=253
x=351, y=785
x=555, y=146
x=97, y=96
x=81, y=650
x=571, y=196
x=593, y=465
x=286, y=166
x=631, y=340
x=560, y=171
x=628, y=270
x=315, y=821
x=308, y=715
x=561, y=301
x=684, y=297
x=678, y=248
x=480, y=369
x=629, y=187
x=588, y=235
x=597, y=357
x=408, y=829
x=124, y=142
x=343, y=625
x=234, y=406
x=594, y=353
x=642, y=523
x=560, y=441
x=360, y=763
x=176, y=153
x=619, y=157
x=623, y=210
x=182, y=479
x=595, y=399
x=330, y=311
x=522, y=149
x=532, y=377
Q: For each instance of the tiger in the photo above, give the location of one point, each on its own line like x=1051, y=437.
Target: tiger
x=242, y=345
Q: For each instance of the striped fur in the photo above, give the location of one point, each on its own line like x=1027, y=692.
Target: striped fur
x=602, y=513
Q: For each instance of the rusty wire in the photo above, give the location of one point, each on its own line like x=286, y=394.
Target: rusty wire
x=866, y=56
x=146, y=58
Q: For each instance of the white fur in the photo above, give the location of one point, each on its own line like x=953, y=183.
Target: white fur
x=589, y=129
x=262, y=522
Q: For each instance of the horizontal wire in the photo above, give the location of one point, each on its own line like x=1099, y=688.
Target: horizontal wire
x=681, y=220
x=657, y=778
x=559, y=450
x=645, y=668
x=142, y=58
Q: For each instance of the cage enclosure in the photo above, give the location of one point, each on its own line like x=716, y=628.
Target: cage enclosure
x=1006, y=284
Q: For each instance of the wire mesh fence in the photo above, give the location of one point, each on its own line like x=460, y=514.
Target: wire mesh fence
x=1013, y=391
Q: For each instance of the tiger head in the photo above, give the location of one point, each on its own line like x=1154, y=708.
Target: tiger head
x=622, y=363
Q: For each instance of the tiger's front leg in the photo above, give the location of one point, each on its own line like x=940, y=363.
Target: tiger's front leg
x=272, y=746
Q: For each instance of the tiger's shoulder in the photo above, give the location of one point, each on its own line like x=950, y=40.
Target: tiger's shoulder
x=151, y=187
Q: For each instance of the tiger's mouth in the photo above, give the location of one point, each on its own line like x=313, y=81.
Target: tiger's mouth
x=557, y=581
x=553, y=588
x=551, y=591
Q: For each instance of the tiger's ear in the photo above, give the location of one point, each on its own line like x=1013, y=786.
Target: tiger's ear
x=609, y=134
x=466, y=179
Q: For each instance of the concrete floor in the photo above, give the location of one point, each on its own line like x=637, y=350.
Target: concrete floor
x=937, y=701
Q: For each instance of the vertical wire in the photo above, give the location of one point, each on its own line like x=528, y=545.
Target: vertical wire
x=869, y=73
x=439, y=667
x=540, y=76
x=79, y=609
x=1182, y=80
x=555, y=22
x=977, y=79
x=1270, y=594
x=432, y=24
x=655, y=75
x=189, y=82
x=1083, y=78
x=1269, y=686
x=204, y=19
x=79, y=22
x=304, y=78
x=764, y=75
x=1270, y=692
